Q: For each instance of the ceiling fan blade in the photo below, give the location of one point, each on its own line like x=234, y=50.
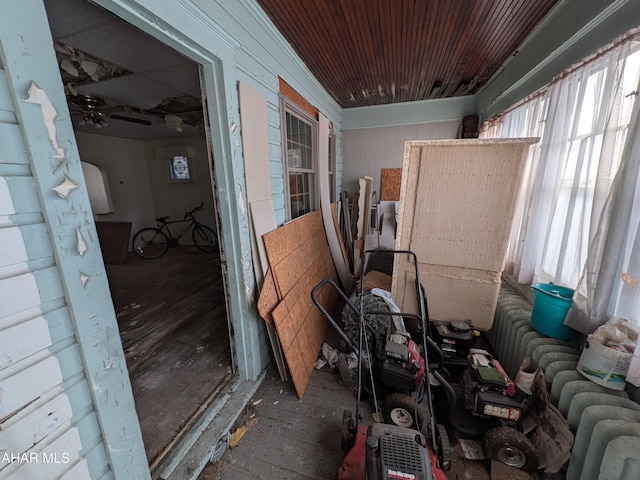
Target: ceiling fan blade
x=127, y=119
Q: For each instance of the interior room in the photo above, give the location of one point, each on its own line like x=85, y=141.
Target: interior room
x=130, y=121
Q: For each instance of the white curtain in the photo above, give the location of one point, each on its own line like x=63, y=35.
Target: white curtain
x=577, y=226
x=525, y=121
x=609, y=283
x=578, y=159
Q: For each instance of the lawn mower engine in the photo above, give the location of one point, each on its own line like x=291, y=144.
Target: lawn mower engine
x=489, y=392
x=454, y=339
x=389, y=452
x=403, y=367
x=394, y=452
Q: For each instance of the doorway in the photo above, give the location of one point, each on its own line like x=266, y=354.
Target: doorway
x=131, y=100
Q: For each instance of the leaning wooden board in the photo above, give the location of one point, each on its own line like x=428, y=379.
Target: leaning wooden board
x=299, y=258
x=457, y=204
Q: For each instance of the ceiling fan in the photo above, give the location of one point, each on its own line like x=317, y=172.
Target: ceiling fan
x=90, y=109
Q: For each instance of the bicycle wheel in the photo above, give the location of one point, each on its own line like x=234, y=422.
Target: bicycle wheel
x=205, y=239
x=150, y=243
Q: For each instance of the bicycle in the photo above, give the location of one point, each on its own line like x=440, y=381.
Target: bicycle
x=153, y=242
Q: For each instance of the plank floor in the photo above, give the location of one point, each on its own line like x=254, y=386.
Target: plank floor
x=172, y=317
x=289, y=438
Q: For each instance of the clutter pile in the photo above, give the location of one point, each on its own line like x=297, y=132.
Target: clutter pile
x=607, y=353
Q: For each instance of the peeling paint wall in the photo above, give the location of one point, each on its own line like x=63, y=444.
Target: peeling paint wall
x=64, y=387
x=45, y=400
x=66, y=408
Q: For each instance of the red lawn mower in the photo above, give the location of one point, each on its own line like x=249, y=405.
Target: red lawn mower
x=392, y=364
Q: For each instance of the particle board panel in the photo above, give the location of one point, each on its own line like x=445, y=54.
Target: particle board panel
x=299, y=259
x=268, y=298
x=288, y=246
x=390, y=183
x=456, y=208
x=454, y=293
x=301, y=339
x=289, y=272
x=286, y=238
x=460, y=196
x=284, y=325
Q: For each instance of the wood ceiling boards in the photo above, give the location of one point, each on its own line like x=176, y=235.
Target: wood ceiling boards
x=372, y=52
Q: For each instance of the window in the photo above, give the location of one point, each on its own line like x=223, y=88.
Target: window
x=598, y=107
x=177, y=164
x=179, y=168
x=300, y=132
x=579, y=225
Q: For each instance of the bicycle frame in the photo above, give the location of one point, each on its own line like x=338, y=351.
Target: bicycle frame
x=153, y=242
x=164, y=227
x=190, y=216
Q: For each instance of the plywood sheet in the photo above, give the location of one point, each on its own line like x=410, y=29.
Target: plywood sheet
x=456, y=208
x=390, y=183
x=294, y=244
x=268, y=299
x=299, y=259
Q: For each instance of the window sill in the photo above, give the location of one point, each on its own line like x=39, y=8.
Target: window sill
x=522, y=288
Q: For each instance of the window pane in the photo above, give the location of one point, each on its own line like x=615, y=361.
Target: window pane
x=300, y=162
x=179, y=168
x=300, y=193
x=299, y=143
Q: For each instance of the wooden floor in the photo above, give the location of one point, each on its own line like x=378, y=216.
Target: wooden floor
x=288, y=438
x=173, y=324
x=172, y=317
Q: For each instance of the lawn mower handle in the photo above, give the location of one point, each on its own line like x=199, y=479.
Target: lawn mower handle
x=328, y=316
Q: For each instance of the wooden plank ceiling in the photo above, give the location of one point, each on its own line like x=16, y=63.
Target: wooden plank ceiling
x=372, y=52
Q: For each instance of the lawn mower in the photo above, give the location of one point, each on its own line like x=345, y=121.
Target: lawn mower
x=487, y=403
x=396, y=369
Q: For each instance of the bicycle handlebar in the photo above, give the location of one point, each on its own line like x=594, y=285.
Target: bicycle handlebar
x=195, y=209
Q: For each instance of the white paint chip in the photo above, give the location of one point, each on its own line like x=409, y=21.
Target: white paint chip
x=66, y=187
x=49, y=114
x=234, y=127
x=241, y=205
x=84, y=278
x=82, y=245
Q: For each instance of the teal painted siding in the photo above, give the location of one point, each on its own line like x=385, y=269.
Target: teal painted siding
x=64, y=383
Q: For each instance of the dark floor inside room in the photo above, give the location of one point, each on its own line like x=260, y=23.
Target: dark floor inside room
x=173, y=323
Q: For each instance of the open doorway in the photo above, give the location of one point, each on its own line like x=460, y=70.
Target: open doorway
x=136, y=104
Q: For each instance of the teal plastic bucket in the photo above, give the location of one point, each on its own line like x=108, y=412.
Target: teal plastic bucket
x=550, y=308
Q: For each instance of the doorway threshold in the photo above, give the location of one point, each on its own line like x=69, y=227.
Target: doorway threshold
x=190, y=455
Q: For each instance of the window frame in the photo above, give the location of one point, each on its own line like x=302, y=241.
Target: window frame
x=289, y=107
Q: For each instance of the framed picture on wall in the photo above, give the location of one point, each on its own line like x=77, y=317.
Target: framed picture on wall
x=177, y=164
